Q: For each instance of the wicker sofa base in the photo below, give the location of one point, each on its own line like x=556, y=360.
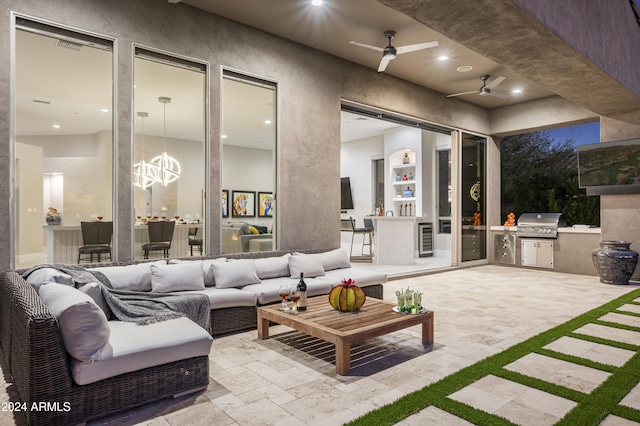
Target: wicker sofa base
x=41, y=373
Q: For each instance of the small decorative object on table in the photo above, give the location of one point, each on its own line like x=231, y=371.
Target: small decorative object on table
x=53, y=217
x=615, y=261
x=347, y=297
x=409, y=302
x=511, y=220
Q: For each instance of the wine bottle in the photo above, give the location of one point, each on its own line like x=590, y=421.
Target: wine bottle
x=302, y=289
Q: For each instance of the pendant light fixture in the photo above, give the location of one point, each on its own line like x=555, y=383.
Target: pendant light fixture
x=144, y=174
x=168, y=168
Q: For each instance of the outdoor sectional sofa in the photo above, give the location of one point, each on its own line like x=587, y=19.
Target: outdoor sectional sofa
x=59, y=378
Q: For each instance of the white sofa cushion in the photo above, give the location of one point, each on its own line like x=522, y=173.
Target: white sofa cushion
x=335, y=259
x=235, y=274
x=130, y=277
x=268, y=290
x=309, y=264
x=272, y=267
x=132, y=347
x=43, y=275
x=177, y=277
x=362, y=277
x=84, y=327
x=226, y=297
x=206, y=268
x=94, y=291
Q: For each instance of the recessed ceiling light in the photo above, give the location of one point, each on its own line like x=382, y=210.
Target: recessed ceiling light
x=516, y=91
x=443, y=58
x=224, y=136
x=56, y=126
x=267, y=121
x=464, y=68
x=104, y=110
x=316, y=2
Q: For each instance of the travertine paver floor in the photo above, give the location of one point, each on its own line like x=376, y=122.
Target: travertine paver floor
x=290, y=379
x=597, y=352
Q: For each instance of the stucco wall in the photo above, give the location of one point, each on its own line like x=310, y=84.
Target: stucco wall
x=310, y=87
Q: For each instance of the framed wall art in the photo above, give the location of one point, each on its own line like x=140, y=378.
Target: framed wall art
x=265, y=204
x=225, y=203
x=243, y=203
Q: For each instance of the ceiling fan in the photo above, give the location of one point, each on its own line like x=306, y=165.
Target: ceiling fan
x=486, y=89
x=390, y=52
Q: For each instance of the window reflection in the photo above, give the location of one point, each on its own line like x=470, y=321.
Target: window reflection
x=169, y=150
x=64, y=142
x=248, y=164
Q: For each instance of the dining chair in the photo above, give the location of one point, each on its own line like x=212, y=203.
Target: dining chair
x=96, y=240
x=193, y=240
x=160, y=237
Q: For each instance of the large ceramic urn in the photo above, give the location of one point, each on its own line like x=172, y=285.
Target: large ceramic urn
x=615, y=261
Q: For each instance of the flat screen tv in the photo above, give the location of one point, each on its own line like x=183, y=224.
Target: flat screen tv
x=346, y=200
x=610, y=166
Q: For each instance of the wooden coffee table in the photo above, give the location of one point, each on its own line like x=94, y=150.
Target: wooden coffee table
x=375, y=318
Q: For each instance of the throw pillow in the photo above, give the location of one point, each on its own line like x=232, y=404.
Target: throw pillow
x=206, y=268
x=94, y=291
x=235, y=274
x=43, y=275
x=309, y=264
x=272, y=267
x=177, y=277
x=85, y=331
x=335, y=259
x=253, y=230
x=131, y=277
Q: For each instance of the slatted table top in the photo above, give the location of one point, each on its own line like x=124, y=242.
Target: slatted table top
x=375, y=318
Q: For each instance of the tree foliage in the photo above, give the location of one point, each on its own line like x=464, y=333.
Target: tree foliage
x=540, y=175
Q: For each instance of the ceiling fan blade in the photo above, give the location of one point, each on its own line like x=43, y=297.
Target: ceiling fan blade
x=495, y=82
x=463, y=93
x=368, y=46
x=414, y=47
x=497, y=94
x=384, y=62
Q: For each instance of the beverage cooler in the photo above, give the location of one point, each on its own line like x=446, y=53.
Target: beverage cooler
x=425, y=239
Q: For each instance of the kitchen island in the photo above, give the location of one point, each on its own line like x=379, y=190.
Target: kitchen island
x=63, y=241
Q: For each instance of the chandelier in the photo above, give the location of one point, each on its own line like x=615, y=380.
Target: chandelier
x=163, y=168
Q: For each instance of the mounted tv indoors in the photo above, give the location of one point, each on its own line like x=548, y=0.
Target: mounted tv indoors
x=346, y=200
x=610, y=167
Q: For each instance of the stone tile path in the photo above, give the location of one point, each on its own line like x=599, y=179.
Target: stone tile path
x=290, y=379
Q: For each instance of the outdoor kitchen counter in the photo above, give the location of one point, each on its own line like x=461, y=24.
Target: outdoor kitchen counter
x=571, y=249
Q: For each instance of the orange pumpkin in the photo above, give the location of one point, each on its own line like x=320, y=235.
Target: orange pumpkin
x=347, y=297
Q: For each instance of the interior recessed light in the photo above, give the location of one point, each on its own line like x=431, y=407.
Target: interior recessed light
x=56, y=126
x=104, y=110
x=516, y=91
x=316, y=2
x=443, y=58
x=267, y=121
x=464, y=68
x=224, y=136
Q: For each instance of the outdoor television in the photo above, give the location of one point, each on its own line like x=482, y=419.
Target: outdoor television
x=610, y=167
x=346, y=200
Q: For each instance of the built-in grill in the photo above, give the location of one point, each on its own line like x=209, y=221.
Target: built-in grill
x=540, y=225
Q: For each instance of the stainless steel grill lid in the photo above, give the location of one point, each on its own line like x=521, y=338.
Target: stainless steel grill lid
x=540, y=225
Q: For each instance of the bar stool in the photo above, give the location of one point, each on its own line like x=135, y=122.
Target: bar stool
x=366, y=231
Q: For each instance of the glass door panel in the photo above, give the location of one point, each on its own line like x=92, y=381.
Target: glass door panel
x=249, y=130
x=169, y=149
x=63, y=140
x=472, y=197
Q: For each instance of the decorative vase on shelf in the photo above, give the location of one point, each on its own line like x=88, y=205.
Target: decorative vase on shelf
x=398, y=177
x=615, y=261
x=410, y=176
x=406, y=159
x=407, y=193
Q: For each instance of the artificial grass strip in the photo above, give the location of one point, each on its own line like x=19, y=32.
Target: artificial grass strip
x=591, y=408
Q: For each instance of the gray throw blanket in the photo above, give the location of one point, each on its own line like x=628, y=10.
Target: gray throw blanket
x=137, y=306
